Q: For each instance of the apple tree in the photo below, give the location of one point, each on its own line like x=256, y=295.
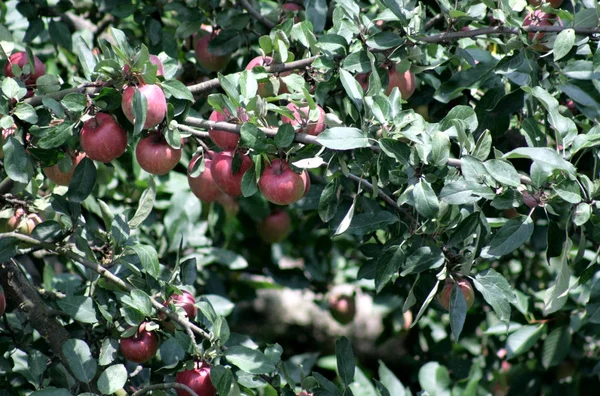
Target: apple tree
x=425, y=172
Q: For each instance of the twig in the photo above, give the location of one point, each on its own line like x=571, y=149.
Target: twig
x=256, y=15
x=193, y=131
x=106, y=275
x=171, y=385
x=58, y=95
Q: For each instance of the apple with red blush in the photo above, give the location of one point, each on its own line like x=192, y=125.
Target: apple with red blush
x=197, y=379
x=223, y=174
x=156, y=104
x=140, y=347
x=205, y=57
x=59, y=177
x=275, y=227
x=203, y=186
x=464, y=286
x=302, y=120
x=28, y=76
x=155, y=156
x=279, y=184
x=102, y=138
x=266, y=89
x=404, y=81
x=224, y=139
x=342, y=307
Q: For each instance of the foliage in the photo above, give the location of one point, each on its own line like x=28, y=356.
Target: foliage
x=488, y=172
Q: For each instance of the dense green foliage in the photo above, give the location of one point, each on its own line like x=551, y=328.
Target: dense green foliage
x=479, y=170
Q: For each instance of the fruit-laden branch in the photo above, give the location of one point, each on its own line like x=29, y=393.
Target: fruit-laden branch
x=35, y=310
x=449, y=36
x=171, y=385
x=106, y=275
x=299, y=137
x=256, y=15
x=275, y=68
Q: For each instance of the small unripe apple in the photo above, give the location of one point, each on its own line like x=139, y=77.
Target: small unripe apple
x=2, y=302
x=223, y=139
x=222, y=172
x=205, y=58
x=197, y=379
x=280, y=184
x=465, y=287
x=102, y=138
x=156, y=102
x=553, y=3
x=140, y=347
x=275, y=227
x=203, y=186
x=28, y=76
x=342, y=308
x=405, y=82
x=155, y=156
x=302, y=121
x=63, y=178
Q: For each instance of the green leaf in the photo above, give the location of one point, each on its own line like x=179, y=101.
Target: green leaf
x=395, y=149
x=565, y=126
x=249, y=360
x=328, y=203
x=26, y=112
x=511, y=236
x=148, y=258
x=139, y=108
x=57, y=136
x=434, y=379
x=568, y=190
x=352, y=88
x=426, y=201
x=145, y=205
x=523, y=340
x=556, y=347
x=80, y=360
x=285, y=136
x=390, y=381
x=12, y=90
x=87, y=60
x=546, y=158
x=440, y=150
x=365, y=223
x=458, y=311
x=177, y=89
x=390, y=261
x=423, y=259
x=253, y=138
x=503, y=171
x=384, y=40
x=345, y=360
x=83, y=181
x=557, y=295
x=112, y=379
x=74, y=102
x=81, y=308
x=496, y=291
x=17, y=164
x=249, y=185
x=221, y=378
x=563, y=43
x=342, y=138
x=109, y=351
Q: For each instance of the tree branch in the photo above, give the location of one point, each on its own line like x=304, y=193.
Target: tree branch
x=171, y=385
x=106, y=275
x=256, y=15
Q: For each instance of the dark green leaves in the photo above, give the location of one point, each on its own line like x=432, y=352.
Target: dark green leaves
x=426, y=201
x=83, y=181
x=496, y=291
x=345, y=360
x=148, y=258
x=388, y=264
x=511, y=236
x=249, y=360
x=80, y=359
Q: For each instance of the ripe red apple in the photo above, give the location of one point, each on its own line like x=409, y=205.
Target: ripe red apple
x=203, y=186
x=280, y=184
x=2, y=302
x=265, y=89
x=465, y=287
x=292, y=9
x=59, y=177
x=225, y=140
x=553, y=3
x=155, y=156
x=28, y=76
x=405, y=82
x=197, y=379
x=102, y=138
x=301, y=119
x=155, y=100
x=306, y=179
x=222, y=172
x=205, y=58
x=186, y=301
x=275, y=227
x=342, y=308
x=539, y=18
x=140, y=347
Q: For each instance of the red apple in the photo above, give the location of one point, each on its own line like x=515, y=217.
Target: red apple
x=342, y=308
x=306, y=179
x=405, y=82
x=229, y=204
x=205, y=58
x=186, y=301
x=155, y=156
x=28, y=76
x=155, y=60
x=465, y=287
x=301, y=119
x=2, y=302
x=539, y=18
x=59, y=177
x=102, y=138
x=155, y=100
x=553, y=3
x=197, y=379
x=222, y=172
x=140, y=347
x=363, y=80
x=203, y=186
x=292, y=9
x=280, y=184
x=265, y=89
x=225, y=140
x=275, y=227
